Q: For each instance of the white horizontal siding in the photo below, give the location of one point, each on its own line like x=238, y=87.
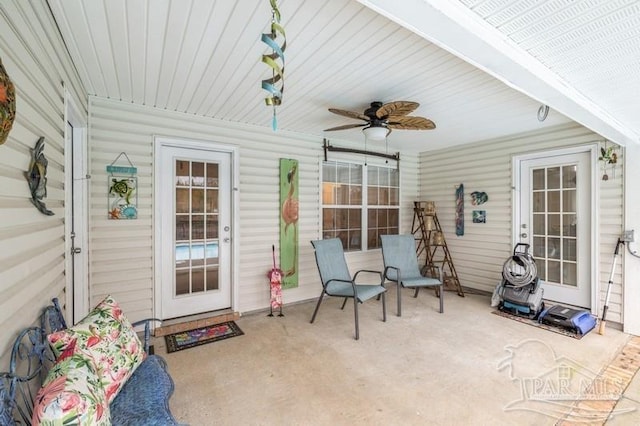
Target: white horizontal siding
x=478, y=256
x=121, y=252
x=32, y=245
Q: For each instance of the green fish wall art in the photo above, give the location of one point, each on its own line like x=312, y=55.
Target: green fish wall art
x=37, y=177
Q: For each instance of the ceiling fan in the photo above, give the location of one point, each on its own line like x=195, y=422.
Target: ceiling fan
x=379, y=119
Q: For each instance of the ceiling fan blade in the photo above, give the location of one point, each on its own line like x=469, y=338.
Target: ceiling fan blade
x=349, y=114
x=345, y=127
x=411, y=123
x=396, y=108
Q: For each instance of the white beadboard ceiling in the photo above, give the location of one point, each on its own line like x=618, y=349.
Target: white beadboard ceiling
x=203, y=57
x=593, y=45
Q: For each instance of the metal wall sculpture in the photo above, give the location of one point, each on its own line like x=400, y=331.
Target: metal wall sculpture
x=289, y=222
x=7, y=104
x=37, y=177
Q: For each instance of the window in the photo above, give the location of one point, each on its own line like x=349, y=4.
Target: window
x=359, y=203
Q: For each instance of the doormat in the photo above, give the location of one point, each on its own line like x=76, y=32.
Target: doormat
x=201, y=336
x=535, y=323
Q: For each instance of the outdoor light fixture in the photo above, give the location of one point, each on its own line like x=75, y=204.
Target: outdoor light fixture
x=375, y=133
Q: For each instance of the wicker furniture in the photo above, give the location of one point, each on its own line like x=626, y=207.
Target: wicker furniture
x=142, y=399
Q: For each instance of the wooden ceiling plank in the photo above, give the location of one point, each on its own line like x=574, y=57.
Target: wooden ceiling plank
x=117, y=29
x=136, y=53
x=177, y=26
x=194, y=41
x=200, y=72
x=228, y=36
x=76, y=33
x=157, y=16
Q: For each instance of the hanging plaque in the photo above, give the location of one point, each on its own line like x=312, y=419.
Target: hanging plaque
x=122, y=198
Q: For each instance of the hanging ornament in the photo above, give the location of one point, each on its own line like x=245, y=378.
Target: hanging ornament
x=7, y=104
x=276, y=40
x=609, y=158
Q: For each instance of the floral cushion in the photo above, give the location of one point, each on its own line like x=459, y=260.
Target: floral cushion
x=107, y=337
x=72, y=394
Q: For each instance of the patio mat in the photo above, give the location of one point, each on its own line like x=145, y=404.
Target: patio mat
x=535, y=323
x=200, y=336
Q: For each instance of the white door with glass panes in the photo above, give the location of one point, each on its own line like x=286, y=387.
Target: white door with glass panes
x=195, y=230
x=555, y=220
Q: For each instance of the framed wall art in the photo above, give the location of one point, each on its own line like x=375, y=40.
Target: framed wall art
x=122, y=197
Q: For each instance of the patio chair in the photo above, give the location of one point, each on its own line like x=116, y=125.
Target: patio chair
x=401, y=267
x=336, y=280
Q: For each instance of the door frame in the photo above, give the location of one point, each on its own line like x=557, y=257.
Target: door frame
x=160, y=142
x=77, y=279
x=593, y=150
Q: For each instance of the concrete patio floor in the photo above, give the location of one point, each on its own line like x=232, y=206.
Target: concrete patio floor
x=464, y=367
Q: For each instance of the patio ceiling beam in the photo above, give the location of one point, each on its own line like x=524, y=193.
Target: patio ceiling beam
x=456, y=29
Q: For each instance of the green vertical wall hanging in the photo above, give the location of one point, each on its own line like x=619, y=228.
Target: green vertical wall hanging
x=289, y=222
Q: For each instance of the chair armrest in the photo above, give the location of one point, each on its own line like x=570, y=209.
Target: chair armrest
x=147, y=330
x=370, y=272
x=352, y=282
x=337, y=280
x=386, y=276
x=438, y=272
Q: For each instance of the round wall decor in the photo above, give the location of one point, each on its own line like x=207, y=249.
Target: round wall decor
x=7, y=104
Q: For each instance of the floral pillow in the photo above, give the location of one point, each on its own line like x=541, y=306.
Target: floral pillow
x=107, y=337
x=72, y=394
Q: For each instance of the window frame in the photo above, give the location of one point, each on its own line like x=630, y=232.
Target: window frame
x=393, y=182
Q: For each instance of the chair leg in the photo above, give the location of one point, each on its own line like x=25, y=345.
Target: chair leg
x=355, y=312
x=317, y=306
x=399, y=301
x=442, y=298
x=416, y=293
x=344, y=303
x=384, y=308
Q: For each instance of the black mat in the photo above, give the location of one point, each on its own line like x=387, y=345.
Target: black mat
x=535, y=323
x=201, y=336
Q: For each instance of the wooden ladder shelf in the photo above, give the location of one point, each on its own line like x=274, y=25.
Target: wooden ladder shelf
x=432, y=244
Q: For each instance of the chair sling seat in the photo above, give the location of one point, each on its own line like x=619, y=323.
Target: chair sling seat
x=365, y=291
x=401, y=266
x=420, y=282
x=337, y=281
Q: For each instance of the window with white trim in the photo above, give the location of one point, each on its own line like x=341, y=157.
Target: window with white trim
x=359, y=203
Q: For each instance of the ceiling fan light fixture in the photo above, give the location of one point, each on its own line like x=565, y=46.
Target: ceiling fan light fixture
x=375, y=133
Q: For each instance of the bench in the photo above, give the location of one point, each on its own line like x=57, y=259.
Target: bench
x=142, y=398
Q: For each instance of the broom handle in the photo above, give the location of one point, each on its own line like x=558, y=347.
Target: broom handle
x=603, y=321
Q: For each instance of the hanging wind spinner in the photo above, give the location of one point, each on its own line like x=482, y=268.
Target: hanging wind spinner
x=275, y=61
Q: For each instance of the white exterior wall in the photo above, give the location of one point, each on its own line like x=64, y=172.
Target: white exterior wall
x=632, y=222
x=121, y=252
x=478, y=256
x=32, y=245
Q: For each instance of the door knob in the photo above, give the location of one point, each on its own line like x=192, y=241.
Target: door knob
x=76, y=250
x=524, y=235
